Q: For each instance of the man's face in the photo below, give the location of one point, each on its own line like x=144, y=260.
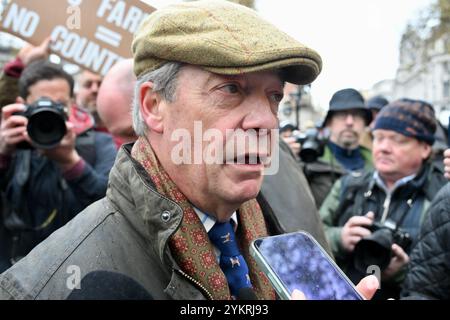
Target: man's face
x=57, y=90
x=114, y=109
x=221, y=103
x=88, y=86
x=396, y=156
x=346, y=127
x=286, y=133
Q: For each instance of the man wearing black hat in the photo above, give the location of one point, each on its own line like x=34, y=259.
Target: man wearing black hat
x=346, y=120
x=375, y=216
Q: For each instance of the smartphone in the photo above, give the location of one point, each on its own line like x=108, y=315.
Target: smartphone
x=297, y=261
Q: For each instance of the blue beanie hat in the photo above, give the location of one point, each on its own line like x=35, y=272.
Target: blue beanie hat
x=377, y=102
x=411, y=118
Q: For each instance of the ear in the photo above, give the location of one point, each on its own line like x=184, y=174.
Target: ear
x=426, y=151
x=151, y=107
x=20, y=100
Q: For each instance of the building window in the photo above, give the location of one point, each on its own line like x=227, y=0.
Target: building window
x=446, y=89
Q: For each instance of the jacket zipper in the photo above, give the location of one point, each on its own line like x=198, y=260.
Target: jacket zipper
x=386, y=205
x=197, y=284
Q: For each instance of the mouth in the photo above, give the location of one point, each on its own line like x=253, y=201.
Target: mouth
x=384, y=160
x=250, y=159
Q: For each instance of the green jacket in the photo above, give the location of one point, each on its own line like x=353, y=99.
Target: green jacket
x=342, y=202
x=324, y=172
x=127, y=232
x=355, y=195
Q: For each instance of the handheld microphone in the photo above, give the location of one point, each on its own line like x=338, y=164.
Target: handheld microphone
x=107, y=285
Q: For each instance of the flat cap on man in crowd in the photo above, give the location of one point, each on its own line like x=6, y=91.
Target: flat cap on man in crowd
x=223, y=38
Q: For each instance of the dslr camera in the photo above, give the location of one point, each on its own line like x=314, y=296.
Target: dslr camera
x=376, y=248
x=312, y=142
x=46, y=123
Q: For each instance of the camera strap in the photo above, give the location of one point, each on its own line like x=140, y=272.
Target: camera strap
x=410, y=202
x=15, y=220
x=85, y=145
x=23, y=172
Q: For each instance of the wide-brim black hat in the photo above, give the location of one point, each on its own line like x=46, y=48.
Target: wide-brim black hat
x=348, y=99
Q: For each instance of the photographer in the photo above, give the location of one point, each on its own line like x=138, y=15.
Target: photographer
x=49, y=173
x=341, y=153
x=287, y=134
x=386, y=206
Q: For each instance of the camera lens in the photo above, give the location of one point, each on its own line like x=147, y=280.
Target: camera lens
x=46, y=128
x=374, y=250
x=310, y=151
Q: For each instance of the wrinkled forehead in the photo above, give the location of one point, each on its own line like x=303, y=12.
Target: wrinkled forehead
x=268, y=77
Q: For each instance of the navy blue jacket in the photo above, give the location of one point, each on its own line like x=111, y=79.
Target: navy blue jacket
x=39, y=200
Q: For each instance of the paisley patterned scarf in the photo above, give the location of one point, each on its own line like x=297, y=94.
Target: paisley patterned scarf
x=190, y=245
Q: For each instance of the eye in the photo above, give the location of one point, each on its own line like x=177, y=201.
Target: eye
x=399, y=140
x=276, y=97
x=230, y=88
x=377, y=138
x=88, y=84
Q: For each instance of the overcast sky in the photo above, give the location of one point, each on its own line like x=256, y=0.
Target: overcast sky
x=357, y=39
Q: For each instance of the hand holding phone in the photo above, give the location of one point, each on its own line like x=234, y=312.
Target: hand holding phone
x=296, y=261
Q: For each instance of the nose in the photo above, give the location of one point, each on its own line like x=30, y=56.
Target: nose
x=95, y=86
x=349, y=119
x=382, y=145
x=260, y=115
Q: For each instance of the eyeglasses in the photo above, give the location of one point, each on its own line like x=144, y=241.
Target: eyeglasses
x=355, y=113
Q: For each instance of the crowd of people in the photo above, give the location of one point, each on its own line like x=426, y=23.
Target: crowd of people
x=108, y=196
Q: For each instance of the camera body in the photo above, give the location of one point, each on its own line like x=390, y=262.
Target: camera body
x=313, y=143
x=376, y=248
x=399, y=236
x=46, y=123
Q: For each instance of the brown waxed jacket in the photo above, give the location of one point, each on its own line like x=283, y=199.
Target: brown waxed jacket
x=127, y=232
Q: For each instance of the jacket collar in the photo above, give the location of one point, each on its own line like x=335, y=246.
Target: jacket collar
x=152, y=215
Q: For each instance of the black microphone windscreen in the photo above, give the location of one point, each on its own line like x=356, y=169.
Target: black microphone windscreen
x=107, y=285
x=246, y=294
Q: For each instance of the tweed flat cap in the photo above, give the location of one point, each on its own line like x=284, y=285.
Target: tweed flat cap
x=223, y=38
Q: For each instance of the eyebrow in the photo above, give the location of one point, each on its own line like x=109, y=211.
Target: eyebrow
x=213, y=76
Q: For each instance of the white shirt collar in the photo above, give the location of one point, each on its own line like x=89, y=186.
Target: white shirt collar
x=209, y=221
x=380, y=182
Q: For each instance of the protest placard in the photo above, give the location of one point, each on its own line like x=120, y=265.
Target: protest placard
x=93, y=34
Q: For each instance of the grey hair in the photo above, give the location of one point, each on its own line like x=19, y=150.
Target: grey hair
x=164, y=82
